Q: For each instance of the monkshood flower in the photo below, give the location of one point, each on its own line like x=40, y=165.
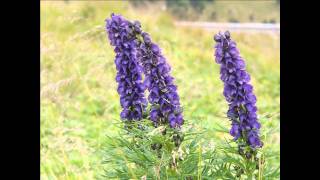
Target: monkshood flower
x=163, y=96
x=237, y=91
x=122, y=35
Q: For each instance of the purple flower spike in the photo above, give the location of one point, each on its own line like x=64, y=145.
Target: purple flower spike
x=122, y=35
x=237, y=91
x=163, y=96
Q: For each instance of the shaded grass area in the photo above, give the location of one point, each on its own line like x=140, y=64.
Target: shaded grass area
x=79, y=101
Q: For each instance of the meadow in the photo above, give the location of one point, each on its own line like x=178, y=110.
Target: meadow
x=79, y=101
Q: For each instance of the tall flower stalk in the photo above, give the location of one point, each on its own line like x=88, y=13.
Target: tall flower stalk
x=122, y=35
x=239, y=95
x=163, y=96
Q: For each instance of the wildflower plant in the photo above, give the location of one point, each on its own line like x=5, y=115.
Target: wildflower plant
x=122, y=35
x=240, y=97
x=238, y=93
x=163, y=96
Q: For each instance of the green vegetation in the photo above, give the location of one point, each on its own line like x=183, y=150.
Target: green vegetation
x=79, y=101
x=218, y=10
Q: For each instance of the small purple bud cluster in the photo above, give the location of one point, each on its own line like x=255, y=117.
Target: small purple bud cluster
x=237, y=91
x=122, y=35
x=163, y=96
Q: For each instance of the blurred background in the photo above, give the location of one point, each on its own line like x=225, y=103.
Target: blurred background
x=79, y=101
x=263, y=11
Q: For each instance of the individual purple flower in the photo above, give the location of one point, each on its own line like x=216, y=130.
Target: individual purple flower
x=122, y=35
x=163, y=96
x=237, y=91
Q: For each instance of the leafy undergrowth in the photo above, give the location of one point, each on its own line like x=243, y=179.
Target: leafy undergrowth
x=140, y=151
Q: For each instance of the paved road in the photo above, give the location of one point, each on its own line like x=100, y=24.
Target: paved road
x=260, y=27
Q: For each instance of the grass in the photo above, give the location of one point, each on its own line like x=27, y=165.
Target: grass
x=79, y=101
x=262, y=11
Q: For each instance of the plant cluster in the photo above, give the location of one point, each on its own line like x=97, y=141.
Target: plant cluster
x=155, y=142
